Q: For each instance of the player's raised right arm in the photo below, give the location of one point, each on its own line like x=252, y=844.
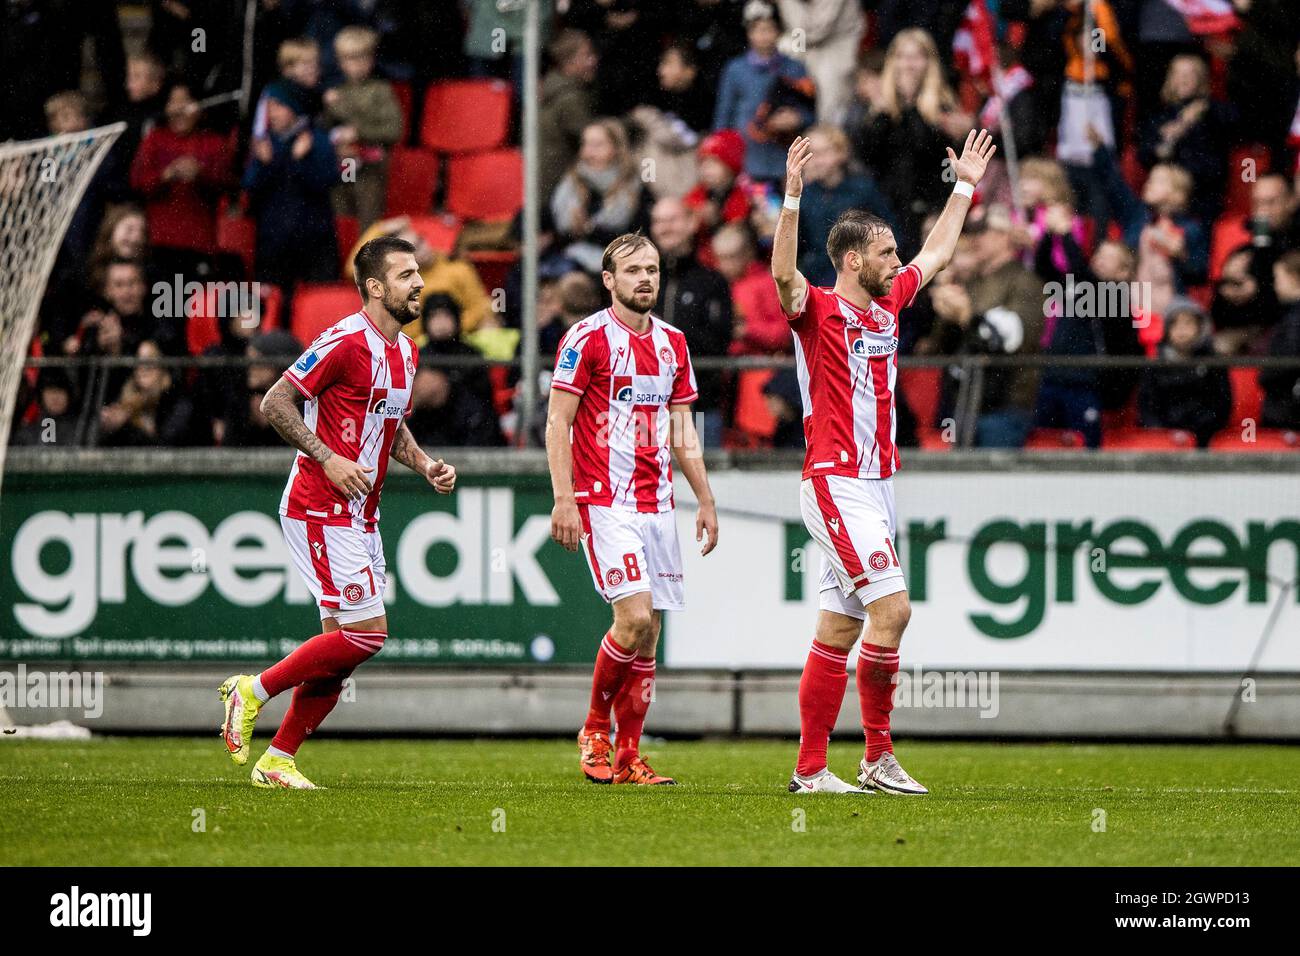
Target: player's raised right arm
x=280, y=406
x=791, y=286
x=566, y=526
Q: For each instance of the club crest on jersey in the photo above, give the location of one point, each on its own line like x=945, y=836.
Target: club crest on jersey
x=878, y=560
x=381, y=406
x=306, y=362
x=666, y=356
x=410, y=368
x=568, y=360
x=353, y=593
x=615, y=577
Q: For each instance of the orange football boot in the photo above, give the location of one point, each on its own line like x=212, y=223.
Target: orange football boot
x=596, y=762
x=638, y=772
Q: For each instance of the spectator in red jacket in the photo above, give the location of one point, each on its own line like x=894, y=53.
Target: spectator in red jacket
x=180, y=170
x=760, y=327
x=723, y=193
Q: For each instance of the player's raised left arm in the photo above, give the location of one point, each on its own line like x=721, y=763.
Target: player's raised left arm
x=969, y=168
x=436, y=472
x=685, y=443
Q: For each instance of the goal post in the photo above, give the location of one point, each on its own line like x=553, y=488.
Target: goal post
x=41, y=184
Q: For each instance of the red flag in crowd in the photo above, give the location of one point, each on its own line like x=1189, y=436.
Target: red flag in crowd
x=1207, y=16
x=974, y=45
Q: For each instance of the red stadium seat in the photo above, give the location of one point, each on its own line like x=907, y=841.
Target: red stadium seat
x=486, y=185
x=202, y=329
x=752, y=414
x=238, y=234
x=465, y=116
x=1147, y=439
x=493, y=266
x=1236, y=198
x=317, y=306
x=441, y=231
x=1265, y=439
x=1230, y=232
x=1247, y=396
x=412, y=181
x=922, y=388
x=406, y=101
x=931, y=439
x=347, y=231
x=1055, y=438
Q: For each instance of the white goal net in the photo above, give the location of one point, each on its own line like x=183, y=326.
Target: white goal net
x=41, y=183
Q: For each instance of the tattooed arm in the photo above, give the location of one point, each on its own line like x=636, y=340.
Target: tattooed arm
x=405, y=449
x=280, y=405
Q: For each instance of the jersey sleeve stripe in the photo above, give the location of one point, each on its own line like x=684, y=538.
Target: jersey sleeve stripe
x=565, y=387
x=293, y=380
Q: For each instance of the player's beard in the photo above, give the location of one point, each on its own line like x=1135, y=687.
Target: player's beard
x=400, y=308
x=874, y=286
x=638, y=302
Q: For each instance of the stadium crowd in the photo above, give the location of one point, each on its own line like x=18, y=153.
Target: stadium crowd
x=1146, y=147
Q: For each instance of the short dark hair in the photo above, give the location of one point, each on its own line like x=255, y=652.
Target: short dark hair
x=627, y=243
x=368, y=263
x=853, y=230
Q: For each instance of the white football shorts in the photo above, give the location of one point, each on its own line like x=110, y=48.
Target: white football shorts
x=853, y=521
x=344, y=568
x=633, y=551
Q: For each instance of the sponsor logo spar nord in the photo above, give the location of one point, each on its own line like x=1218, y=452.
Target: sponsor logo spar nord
x=1127, y=561
x=172, y=558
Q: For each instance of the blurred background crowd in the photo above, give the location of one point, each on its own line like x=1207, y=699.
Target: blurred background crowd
x=1143, y=202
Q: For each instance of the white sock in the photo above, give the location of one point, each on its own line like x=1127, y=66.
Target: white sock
x=259, y=691
x=277, y=752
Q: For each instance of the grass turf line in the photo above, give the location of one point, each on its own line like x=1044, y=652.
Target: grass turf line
x=400, y=802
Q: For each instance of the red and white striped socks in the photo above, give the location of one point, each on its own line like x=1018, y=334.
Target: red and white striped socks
x=821, y=693
x=613, y=664
x=877, y=667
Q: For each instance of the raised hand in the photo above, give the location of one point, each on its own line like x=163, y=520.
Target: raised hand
x=795, y=160
x=975, y=156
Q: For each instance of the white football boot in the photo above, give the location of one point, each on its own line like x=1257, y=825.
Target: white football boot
x=885, y=774
x=821, y=782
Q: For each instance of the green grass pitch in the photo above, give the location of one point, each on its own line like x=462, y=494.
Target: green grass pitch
x=518, y=802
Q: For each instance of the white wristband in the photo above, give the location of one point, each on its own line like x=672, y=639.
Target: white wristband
x=791, y=202
x=963, y=189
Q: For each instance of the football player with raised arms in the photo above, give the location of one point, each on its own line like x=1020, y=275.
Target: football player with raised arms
x=619, y=412
x=846, y=356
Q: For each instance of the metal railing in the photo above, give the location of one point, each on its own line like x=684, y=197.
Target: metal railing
x=969, y=370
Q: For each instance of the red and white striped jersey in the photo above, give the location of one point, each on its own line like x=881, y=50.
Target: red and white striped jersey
x=621, y=457
x=358, y=390
x=847, y=360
